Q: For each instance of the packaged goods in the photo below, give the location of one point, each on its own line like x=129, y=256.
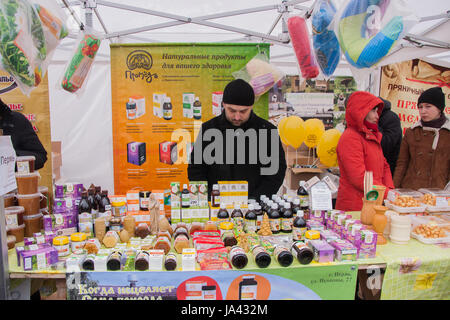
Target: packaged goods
x=61, y=244
x=180, y=243
x=114, y=261
x=89, y=263
x=238, y=257
x=283, y=255
x=170, y=262
x=164, y=234
x=110, y=239
x=30, y=202
x=75, y=261
x=344, y=250
x=18, y=232
x=328, y=235
x=92, y=246
x=100, y=228
x=163, y=243
x=142, y=230
x=11, y=241
x=141, y=261
x=302, y=252
x=25, y=164
x=27, y=183
x=38, y=257
x=33, y=224
x=77, y=241
x=323, y=252
x=129, y=224
x=14, y=216
x=9, y=200
x=262, y=258
x=367, y=245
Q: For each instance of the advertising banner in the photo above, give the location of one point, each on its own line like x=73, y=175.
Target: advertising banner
x=161, y=94
x=402, y=83
x=306, y=283
x=36, y=109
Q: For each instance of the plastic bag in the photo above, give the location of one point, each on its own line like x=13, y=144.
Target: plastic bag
x=368, y=30
x=326, y=45
x=260, y=74
x=298, y=32
x=23, y=44
x=78, y=67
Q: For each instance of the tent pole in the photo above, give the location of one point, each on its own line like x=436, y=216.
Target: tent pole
x=4, y=263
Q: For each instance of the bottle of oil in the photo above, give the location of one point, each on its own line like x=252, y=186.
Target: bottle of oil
x=287, y=219
x=250, y=219
x=274, y=219
x=222, y=214
x=185, y=197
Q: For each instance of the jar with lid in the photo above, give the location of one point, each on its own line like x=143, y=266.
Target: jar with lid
x=9, y=199
x=119, y=208
x=144, y=200
x=262, y=258
x=61, y=244
x=77, y=241
x=311, y=235
x=33, y=224
x=238, y=257
x=226, y=233
x=18, y=232
x=142, y=261
x=170, y=262
x=25, y=164
x=27, y=183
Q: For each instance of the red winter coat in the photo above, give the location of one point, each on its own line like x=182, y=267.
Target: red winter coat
x=359, y=150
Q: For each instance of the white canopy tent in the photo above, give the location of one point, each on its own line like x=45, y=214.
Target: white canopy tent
x=83, y=122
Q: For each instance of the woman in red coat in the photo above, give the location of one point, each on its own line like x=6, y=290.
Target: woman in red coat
x=359, y=150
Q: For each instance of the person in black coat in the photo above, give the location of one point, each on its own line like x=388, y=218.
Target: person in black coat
x=23, y=137
x=239, y=145
x=389, y=125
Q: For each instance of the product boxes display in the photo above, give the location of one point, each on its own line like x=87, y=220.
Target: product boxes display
x=38, y=257
x=233, y=192
x=60, y=224
x=158, y=101
x=367, y=246
x=323, y=252
x=344, y=250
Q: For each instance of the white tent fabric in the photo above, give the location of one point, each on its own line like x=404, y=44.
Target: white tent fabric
x=83, y=122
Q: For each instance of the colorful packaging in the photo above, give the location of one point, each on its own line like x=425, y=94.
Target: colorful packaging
x=367, y=248
x=344, y=250
x=158, y=101
x=323, y=252
x=38, y=257
x=328, y=235
x=315, y=225
x=217, y=103
x=318, y=215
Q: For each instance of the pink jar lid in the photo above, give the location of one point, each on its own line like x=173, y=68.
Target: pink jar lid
x=14, y=210
x=34, y=216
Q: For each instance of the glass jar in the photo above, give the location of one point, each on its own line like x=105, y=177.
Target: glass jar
x=77, y=241
x=61, y=244
x=119, y=208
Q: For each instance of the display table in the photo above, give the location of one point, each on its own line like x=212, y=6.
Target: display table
x=413, y=271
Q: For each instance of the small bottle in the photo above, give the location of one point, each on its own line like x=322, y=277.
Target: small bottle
x=131, y=110
x=98, y=195
x=283, y=256
x=144, y=200
x=287, y=219
x=185, y=197
x=215, y=196
x=302, y=252
x=274, y=219
x=304, y=198
x=250, y=219
x=197, y=109
x=281, y=207
x=84, y=206
x=92, y=202
x=114, y=261
x=105, y=204
x=167, y=109
x=222, y=214
x=261, y=199
x=299, y=227
x=237, y=215
x=262, y=258
x=259, y=216
x=170, y=263
x=238, y=257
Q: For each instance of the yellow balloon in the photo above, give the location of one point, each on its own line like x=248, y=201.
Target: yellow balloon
x=281, y=128
x=326, y=148
x=314, y=130
x=293, y=131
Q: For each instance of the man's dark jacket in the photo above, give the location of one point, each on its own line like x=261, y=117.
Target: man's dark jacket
x=389, y=125
x=25, y=141
x=257, y=184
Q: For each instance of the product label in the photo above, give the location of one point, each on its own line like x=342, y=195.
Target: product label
x=11, y=220
x=81, y=71
x=23, y=167
x=234, y=251
x=286, y=224
x=304, y=201
x=274, y=224
x=248, y=292
x=299, y=233
x=251, y=225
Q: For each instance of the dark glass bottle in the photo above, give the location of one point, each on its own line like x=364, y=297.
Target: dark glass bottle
x=98, y=195
x=114, y=261
x=142, y=261
x=84, y=206
x=259, y=216
x=302, y=252
x=299, y=227
x=185, y=197
x=250, y=219
x=88, y=263
x=304, y=198
x=237, y=215
x=222, y=214
x=105, y=204
x=238, y=257
x=170, y=263
x=283, y=256
x=262, y=258
x=287, y=219
x=295, y=205
x=92, y=202
x=274, y=219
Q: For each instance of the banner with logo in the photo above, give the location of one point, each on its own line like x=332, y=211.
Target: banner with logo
x=36, y=109
x=293, y=283
x=402, y=83
x=161, y=94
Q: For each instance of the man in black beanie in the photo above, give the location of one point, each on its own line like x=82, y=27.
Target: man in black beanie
x=239, y=145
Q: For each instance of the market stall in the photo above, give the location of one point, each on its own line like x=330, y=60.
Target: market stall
x=130, y=225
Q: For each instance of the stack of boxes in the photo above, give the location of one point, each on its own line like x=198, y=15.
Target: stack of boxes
x=198, y=210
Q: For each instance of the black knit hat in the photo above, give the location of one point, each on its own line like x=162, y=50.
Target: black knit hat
x=434, y=96
x=239, y=92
